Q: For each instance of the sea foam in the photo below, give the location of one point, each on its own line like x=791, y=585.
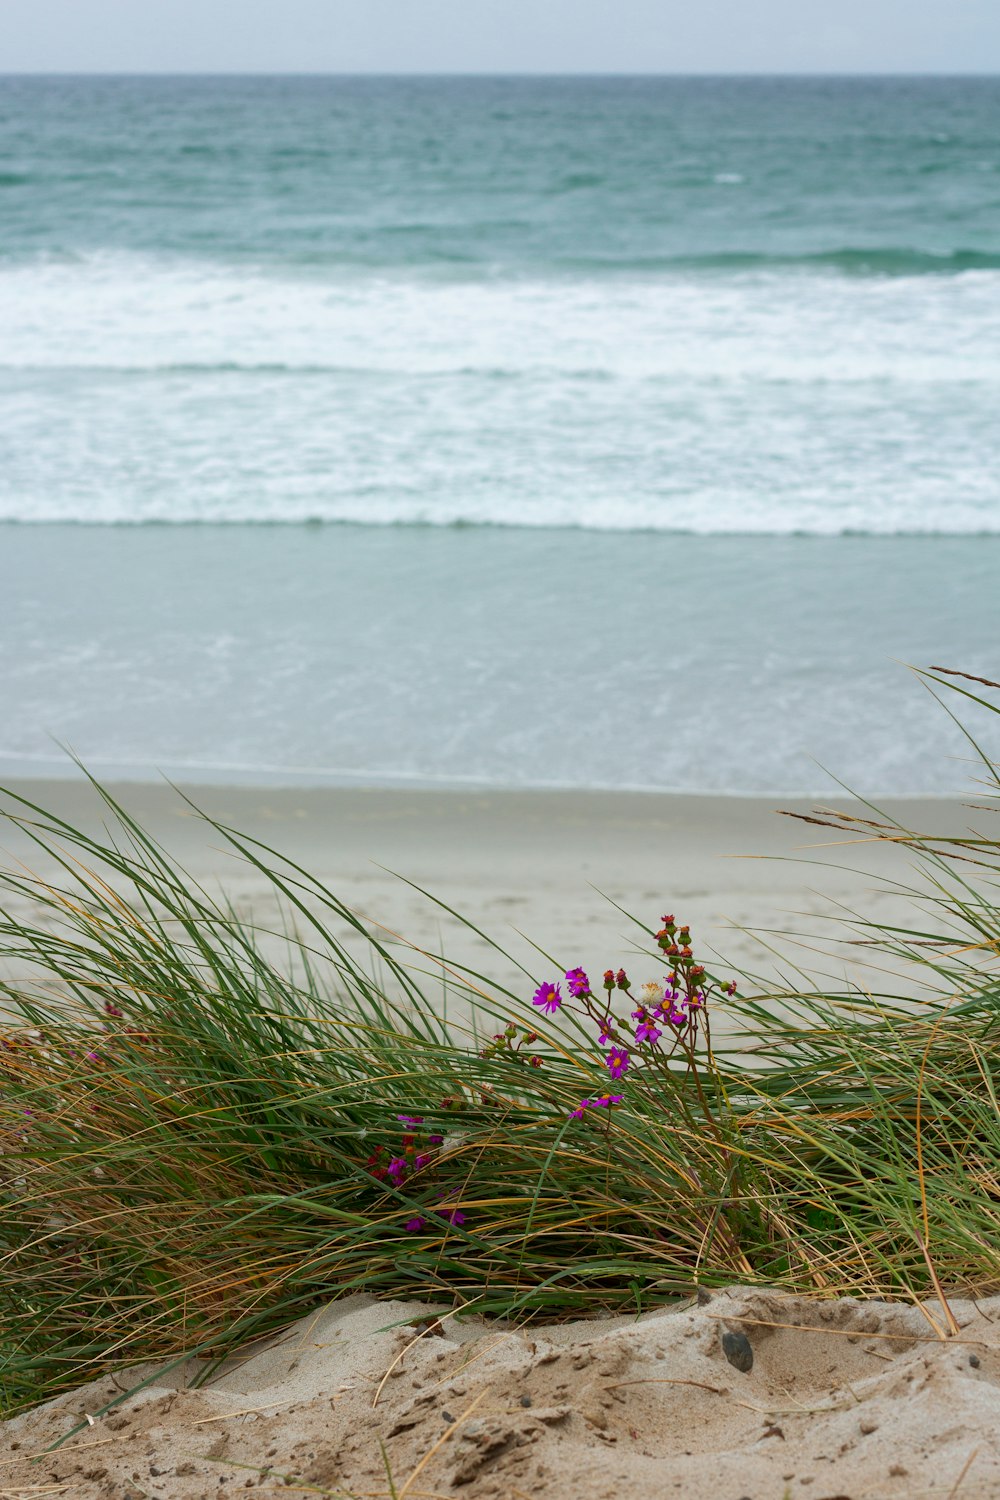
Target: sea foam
x=149, y=388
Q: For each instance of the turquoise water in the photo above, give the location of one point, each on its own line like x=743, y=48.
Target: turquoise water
x=490, y=656
x=598, y=432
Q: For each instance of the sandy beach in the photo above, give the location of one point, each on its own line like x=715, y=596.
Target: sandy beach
x=545, y=868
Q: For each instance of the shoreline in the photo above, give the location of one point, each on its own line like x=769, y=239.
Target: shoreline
x=225, y=776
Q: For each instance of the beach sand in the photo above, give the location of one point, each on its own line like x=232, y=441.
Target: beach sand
x=545, y=868
x=844, y=1399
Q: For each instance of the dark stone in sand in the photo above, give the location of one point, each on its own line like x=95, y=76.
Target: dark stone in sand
x=704, y=1296
x=525, y=1400
x=736, y=1348
x=974, y=1361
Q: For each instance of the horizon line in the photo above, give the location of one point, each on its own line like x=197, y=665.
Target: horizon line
x=470, y=73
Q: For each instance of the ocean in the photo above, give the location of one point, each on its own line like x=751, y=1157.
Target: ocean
x=495, y=431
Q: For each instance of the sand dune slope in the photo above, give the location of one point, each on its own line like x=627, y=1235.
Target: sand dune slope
x=843, y=1399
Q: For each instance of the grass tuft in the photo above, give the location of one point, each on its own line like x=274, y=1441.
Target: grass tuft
x=196, y=1139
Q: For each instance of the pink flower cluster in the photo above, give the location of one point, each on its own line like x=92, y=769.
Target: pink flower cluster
x=666, y=1013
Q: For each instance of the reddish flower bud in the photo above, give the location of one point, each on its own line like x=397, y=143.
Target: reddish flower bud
x=621, y=979
x=609, y=980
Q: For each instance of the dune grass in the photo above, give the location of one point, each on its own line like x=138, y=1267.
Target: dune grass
x=196, y=1135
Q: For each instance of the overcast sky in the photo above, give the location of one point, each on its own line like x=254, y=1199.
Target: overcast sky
x=564, y=36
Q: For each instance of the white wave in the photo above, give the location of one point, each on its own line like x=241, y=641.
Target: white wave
x=124, y=311
x=143, y=389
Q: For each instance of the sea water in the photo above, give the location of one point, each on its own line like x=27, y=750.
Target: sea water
x=503, y=431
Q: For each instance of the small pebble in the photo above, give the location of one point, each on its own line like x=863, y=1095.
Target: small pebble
x=447, y=1416
x=974, y=1361
x=525, y=1400
x=704, y=1296
x=868, y=1425
x=736, y=1348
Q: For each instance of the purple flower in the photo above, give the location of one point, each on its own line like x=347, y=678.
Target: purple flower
x=647, y=1032
x=577, y=983
x=435, y=1140
x=676, y=1017
x=397, y=1169
x=617, y=1062
x=452, y=1215
x=603, y=1101
x=421, y=1161
x=411, y=1119
x=607, y=1031
x=415, y=1225
x=548, y=997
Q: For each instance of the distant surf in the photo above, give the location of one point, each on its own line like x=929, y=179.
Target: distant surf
x=689, y=306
